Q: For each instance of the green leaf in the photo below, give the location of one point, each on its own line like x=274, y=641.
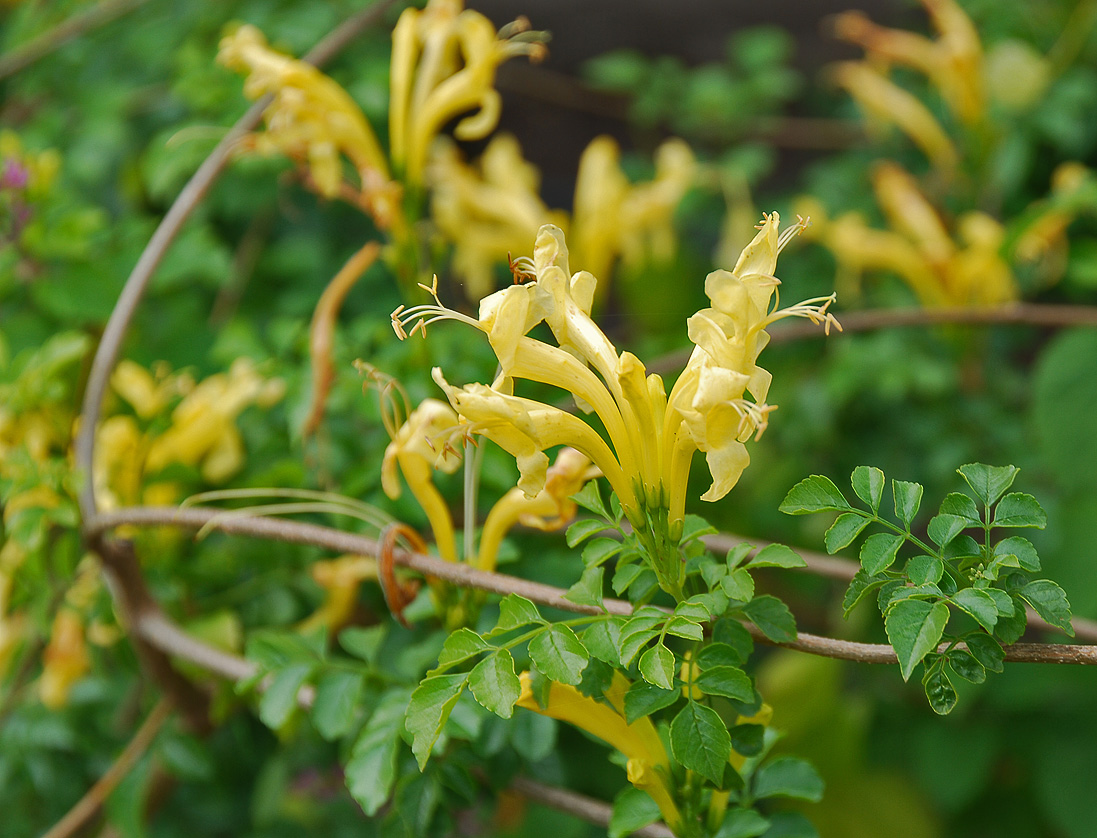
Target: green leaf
x=748, y=739
x=700, y=741
x=1050, y=602
x=1022, y=549
x=514, y=612
x=1010, y=628
x=719, y=654
x=961, y=505
x=925, y=570
x=742, y=823
x=844, y=530
x=635, y=634
x=879, y=550
x=772, y=617
x=600, y=550
x=695, y=527
x=943, y=528
x=633, y=809
x=588, y=590
x=737, y=554
x=337, y=695
x=643, y=699
x=657, y=666
x=280, y=699
x=583, y=529
x=625, y=575
x=979, y=604
x=788, y=777
x=461, y=645
x=914, y=628
x=859, y=587
x=428, y=709
x=682, y=627
x=986, y=650
x=967, y=666
x=728, y=681
x=776, y=555
x=988, y=482
x=371, y=771
x=601, y=640
x=738, y=585
x=1019, y=510
x=692, y=610
x=559, y=655
x=1002, y=601
x=731, y=632
x=533, y=736
x=908, y=499
x=813, y=494
x=868, y=485
x=364, y=643
x=494, y=684
x=590, y=498
x=939, y=691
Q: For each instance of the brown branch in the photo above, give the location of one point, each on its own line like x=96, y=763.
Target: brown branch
x=90, y=803
x=465, y=576
x=587, y=808
x=1018, y=314
x=42, y=45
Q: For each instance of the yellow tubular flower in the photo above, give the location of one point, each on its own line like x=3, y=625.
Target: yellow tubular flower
x=551, y=509
x=910, y=212
x=651, y=437
x=425, y=442
x=443, y=64
x=648, y=765
x=883, y=99
x=65, y=659
x=340, y=578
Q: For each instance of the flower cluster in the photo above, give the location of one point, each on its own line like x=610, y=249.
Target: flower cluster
x=652, y=436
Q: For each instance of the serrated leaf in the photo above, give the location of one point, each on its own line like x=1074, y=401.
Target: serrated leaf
x=494, y=684
x=914, y=628
x=986, y=650
x=738, y=585
x=961, y=505
x=461, y=645
x=844, y=530
x=788, y=777
x=1050, y=602
x=772, y=617
x=370, y=772
x=600, y=550
x=728, y=681
x=1022, y=549
x=930, y=592
x=682, y=627
x=633, y=809
x=635, y=634
x=742, y=823
x=694, y=527
x=429, y=707
x=514, y=612
x=601, y=640
x=943, y=528
x=583, y=529
x=939, y=691
x=1002, y=601
x=625, y=575
x=879, y=551
x=280, y=698
x=693, y=610
x=337, y=695
x=908, y=499
x=590, y=498
x=776, y=555
x=700, y=741
x=657, y=666
x=868, y=485
x=748, y=739
x=737, y=554
x=719, y=654
x=588, y=590
x=859, y=587
x=988, y=482
x=978, y=604
x=1019, y=510
x=814, y=494
x=363, y=643
x=559, y=655
x=1010, y=628
x=925, y=570
x=967, y=666
x=731, y=632
x=643, y=699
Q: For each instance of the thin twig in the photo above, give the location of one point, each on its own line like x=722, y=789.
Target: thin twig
x=90, y=803
x=466, y=576
x=42, y=45
x=1018, y=314
x=587, y=808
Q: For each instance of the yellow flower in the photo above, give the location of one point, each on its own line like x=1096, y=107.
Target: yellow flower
x=340, y=578
x=65, y=659
x=648, y=766
x=651, y=437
